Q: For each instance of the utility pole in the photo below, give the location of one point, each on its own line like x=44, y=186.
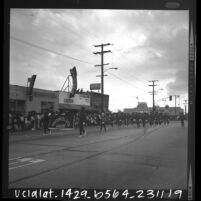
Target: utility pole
x=153, y=91
x=102, y=52
x=185, y=102
x=176, y=96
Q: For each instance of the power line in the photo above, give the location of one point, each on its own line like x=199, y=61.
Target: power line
x=125, y=81
x=126, y=97
x=131, y=74
x=48, y=50
x=75, y=33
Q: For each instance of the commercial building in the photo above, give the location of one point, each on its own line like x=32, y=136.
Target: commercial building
x=142, y=107
x=43, y=100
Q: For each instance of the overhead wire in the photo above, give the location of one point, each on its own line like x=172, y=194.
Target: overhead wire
x=48, y=50
x=125, y=81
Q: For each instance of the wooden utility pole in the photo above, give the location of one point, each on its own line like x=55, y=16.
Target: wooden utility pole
x=102, y=52
x=153, y=92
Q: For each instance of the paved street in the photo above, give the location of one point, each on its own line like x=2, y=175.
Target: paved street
x=120, y=158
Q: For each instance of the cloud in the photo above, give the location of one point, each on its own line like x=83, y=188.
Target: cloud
x=180, y=85
x=148, y=45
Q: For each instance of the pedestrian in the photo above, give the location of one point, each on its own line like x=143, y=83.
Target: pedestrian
x=22, y=121
x=181, y=117
x=82, y=122
x=46, y=123
x=32, y=122
x=138, y=121
x=10, y=122
x=103, y=122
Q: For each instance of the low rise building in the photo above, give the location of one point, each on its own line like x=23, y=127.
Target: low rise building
x=43, y=100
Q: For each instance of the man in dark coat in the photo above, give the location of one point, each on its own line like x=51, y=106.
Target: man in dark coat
x=103, y=122
x=181, y=117
x=82, y=121
x=46, y=123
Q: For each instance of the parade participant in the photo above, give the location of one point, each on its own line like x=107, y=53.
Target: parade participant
x=137, y=120
x=118, y=120
x=143, y=120
x=82, y=122
x=46, y=123
x=103, y=122
x=181, y=117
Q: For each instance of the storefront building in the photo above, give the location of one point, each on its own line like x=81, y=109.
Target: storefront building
x=47, y=100
x=42, y=100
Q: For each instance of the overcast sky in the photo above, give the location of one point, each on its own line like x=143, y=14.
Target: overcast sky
x=147, y=45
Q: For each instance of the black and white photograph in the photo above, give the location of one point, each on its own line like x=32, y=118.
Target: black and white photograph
x=98, y=98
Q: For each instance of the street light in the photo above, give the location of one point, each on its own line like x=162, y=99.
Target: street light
x=110, y=68
x=105, y=71
x=102, y=76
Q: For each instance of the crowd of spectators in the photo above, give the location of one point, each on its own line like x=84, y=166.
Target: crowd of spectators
x=21, y=122
x=34, y=121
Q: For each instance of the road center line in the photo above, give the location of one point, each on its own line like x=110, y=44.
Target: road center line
x=25, y=165
x=10, y=159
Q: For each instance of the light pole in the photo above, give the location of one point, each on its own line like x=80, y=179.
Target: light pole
x=176, y=96
x=102, y=81
x=185, y=103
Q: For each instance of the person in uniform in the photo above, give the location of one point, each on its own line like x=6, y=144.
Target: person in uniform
x=82, y=121
x=181, y=117
x=103, y=122
x=46, y=123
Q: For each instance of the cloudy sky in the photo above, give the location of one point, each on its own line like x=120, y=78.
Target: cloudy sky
x=147, y=45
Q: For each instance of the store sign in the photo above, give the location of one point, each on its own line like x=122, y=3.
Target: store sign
x=78, y=99
x=95, y=86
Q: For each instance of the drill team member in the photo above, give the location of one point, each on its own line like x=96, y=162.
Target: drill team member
x=82, y=121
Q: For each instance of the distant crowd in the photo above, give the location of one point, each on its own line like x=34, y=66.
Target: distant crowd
x=35, y=121
x=124, y=119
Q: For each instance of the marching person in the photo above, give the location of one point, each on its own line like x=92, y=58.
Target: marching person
x=46, y=123
x=82, y=121
x=103, y=122
x=182, y=119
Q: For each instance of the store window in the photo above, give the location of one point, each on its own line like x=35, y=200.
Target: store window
x=17, y=106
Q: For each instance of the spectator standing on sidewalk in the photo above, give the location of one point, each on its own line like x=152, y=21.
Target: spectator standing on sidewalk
x=82, y=122
x=32, y=122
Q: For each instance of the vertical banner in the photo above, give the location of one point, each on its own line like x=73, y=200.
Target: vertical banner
x=73, y=72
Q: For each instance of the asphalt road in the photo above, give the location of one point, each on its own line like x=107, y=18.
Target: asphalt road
x=126, y=158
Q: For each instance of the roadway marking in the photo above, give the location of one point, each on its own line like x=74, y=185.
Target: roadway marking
x=21, y=162
x=14, y=158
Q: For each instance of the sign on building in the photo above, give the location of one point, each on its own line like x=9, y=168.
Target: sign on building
x=78, y=99
x=95, y=86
